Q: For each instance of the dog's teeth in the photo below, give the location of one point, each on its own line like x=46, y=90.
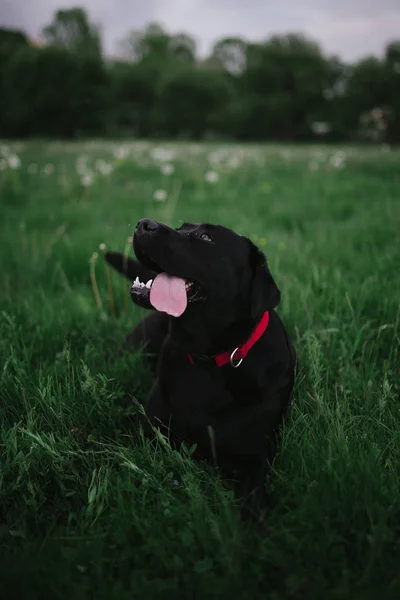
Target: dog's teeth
x=148, y=284
x=142, y=284
x=136, y=282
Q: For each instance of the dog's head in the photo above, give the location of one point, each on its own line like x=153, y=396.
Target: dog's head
x=201, y=271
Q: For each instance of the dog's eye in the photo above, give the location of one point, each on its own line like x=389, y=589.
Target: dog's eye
x=205, y=237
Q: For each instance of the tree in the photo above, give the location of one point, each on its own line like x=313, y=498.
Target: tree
x=229, y=54
x=191, y=100
x=10, y=42
x=73, y=88
x=366, y=89
x=392, y=68
x=282, y=88
x=19, y=90
x=155, y=45
x=57, y=92
x=156, y=56
x=136, y=90
x=70, y=29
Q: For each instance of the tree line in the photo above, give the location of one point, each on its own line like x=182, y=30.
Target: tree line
x=282, y=89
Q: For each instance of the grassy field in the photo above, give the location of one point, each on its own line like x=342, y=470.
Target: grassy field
x=86, y=511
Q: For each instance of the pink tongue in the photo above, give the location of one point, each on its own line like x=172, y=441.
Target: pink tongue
x=168, y=294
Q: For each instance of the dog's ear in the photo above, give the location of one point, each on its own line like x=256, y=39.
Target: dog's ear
x=128, y=266
x=265, y=294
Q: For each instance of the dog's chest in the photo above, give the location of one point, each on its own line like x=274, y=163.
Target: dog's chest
x=204, y=398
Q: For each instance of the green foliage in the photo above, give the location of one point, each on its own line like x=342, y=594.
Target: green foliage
x=283, y=88
x=70, y=29
x=87, y=507
x=192, y=100
x=54, y=92
x=20, y=89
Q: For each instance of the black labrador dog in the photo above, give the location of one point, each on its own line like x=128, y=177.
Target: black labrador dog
x=222, y=359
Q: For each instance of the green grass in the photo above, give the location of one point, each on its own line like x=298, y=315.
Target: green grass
x=88, y=511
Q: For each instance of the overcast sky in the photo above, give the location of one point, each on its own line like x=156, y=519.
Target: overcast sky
x=350, y=28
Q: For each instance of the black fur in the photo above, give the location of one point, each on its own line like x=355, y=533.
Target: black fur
x=233, y=415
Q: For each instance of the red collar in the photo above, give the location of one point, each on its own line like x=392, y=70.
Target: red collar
x=239, y=353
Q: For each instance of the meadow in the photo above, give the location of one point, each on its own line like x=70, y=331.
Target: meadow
x=88, y=511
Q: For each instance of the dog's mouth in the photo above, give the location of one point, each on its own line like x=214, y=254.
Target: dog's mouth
x=164, y=292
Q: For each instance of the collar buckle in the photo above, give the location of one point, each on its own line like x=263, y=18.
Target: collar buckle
x=235, y=365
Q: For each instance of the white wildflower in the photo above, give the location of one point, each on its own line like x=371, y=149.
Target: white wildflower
x=102, y=246
x=87, y=179
x=107, y=169
x=337, y=160
x=211, y=176
x=14, y=161
x=103, y=167
x=121, y=153
x=234, y=161
x=160, y=195
x=160, y=154
x=167, y=169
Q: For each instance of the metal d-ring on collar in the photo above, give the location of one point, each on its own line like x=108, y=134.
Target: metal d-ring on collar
x=235, y=366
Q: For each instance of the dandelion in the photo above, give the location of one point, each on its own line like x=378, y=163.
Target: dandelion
x=102, y=246
x=337, y=160
x=48, y=169
x=160, y=154
x=121, y=153
x=160, y=195
x=93, y=279
x=87, y=179
x=211, y=177
x=234, y=161
x=107, y=169
x=216, y=157
x=103, y=167
x=167, y=169
x=14, y=161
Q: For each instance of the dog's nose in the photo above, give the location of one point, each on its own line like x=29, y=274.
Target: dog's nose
x=146, y=226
